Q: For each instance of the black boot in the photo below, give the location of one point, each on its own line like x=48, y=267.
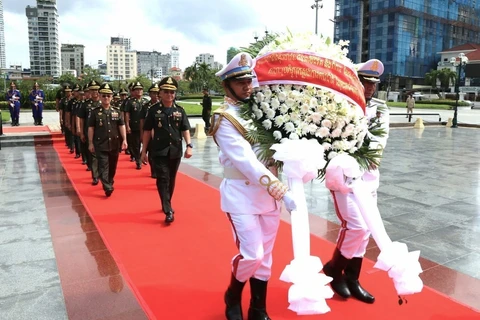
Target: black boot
x=334, y=268
x=40, y=122
x=233, y=299
x=258, y=301
x=352, y=273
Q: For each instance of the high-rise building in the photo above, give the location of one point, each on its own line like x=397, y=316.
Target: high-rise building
x=206, y=58
x=73, y=57
x=121, y=40
x=121, y=64
x=153, y=64
x=175, y=57
x=3, y=62
x=406, y=35
x=43, y=38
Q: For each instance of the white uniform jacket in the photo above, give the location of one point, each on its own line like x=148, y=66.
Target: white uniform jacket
x=241, y=189
x=372, y=177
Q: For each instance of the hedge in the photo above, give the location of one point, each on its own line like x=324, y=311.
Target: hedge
x=443, y=102
x=197, y=97
x=48, y=105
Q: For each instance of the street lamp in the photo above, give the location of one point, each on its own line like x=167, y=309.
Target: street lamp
x=255, y=36
x=318, y=4
x=460, y=63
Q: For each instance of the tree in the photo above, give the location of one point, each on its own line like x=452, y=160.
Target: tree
x=90, y=74
x=231, y=53
x=146, y=82
x=446, y=76
x=67, y=78
x=431, y=78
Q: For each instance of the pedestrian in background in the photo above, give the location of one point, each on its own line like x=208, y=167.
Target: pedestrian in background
x=410, y=104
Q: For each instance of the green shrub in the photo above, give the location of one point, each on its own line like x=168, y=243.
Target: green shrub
x=442, y=101
x=48, y=105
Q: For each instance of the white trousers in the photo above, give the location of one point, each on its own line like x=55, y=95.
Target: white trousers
x=353, y=237
x=255, y=236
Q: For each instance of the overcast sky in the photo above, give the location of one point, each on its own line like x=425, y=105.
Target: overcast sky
x=208, y=26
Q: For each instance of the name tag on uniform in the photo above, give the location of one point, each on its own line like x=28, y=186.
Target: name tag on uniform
x=177, y=114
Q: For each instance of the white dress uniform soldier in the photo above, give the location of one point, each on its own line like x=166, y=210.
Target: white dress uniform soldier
x=353, y=237
x=250, y=194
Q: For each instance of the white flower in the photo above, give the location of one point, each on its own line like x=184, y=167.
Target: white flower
x=259, y=97
x=274, y=103
x=282, y=96
x=279, y=121
x=327, y=123
x=267, y=124
x=293, y=136
x=289, y=127
x=340, y=124
x=290, y=102
x=322, y=132
x=336, y=133
x=264, y=106
x=270, y=114
x=283, y=108
x=312, y=128
x=304, y=109
x=326, y=146
x=268, y=94
x=316, y=117
x=275, y=88
x=277, y=135
x=295, y=117
x=258, y=114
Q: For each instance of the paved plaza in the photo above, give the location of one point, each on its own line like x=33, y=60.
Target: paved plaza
x=429, y=198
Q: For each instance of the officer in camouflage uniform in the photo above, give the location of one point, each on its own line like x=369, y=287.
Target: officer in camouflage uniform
x=84, y=113
x=153, y=93
x=133, y=115
x=169, y=123
x=106, y=132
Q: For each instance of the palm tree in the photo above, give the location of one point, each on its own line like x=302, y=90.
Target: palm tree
x=431, y=78
x=446, y=76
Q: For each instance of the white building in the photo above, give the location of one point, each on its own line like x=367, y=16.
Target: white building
x=73, y=57
x=43, y=38
x=121, y=64
x=206, y=58
x=175, y=57
x=3, y=62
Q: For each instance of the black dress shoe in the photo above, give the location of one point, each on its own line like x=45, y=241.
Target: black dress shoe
x=88, y=169
x=169, y=218
x=139, y=167
x=154, y=176
x=108, y=193
x=77, y=156
x=94, y=181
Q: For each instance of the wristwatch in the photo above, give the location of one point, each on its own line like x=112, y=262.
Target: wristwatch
x=189, y=145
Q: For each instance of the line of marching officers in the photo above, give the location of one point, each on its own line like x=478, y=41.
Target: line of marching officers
x=99, y=123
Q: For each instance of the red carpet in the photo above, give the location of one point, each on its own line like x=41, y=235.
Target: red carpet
x=25, y=129
x=181, y=271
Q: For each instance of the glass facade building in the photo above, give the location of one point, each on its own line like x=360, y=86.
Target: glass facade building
x=406, y=35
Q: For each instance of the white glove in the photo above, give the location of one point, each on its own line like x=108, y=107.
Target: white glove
x=289, y=201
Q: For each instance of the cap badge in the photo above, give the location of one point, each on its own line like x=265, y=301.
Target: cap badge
x=243, y=61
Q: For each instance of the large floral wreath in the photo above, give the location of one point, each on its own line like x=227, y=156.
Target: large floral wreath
x=302, y=106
